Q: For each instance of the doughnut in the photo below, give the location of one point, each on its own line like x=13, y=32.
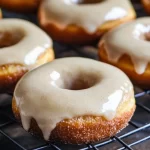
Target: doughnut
x=82, y=22
x=82, y=101
x=127, y=47
x=20, y=5
x=146, y=4
x=23, y=47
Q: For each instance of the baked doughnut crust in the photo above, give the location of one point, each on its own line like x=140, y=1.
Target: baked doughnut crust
x=1, y=14
x=9, y=75
x=20, y=5
x=146, y=4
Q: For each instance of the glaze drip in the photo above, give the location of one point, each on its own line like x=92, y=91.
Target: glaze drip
x=41, y=93
x=130, y=39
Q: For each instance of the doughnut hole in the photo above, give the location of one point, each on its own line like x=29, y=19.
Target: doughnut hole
x=10, y=38
x=80, y=81
x=142, y=32
x=147, y=36
x=76, y=80
x=86, y=1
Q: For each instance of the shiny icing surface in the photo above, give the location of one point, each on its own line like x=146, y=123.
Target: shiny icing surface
x=33, y=42
x=70, y=87
x=88, y=16
x=132, y=39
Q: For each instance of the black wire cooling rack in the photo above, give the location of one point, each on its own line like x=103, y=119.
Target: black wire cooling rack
x=135, y=137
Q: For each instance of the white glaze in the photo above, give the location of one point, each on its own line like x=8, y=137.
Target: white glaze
x=41, y=94
x=88, y=16
x=29, y=48
x=129, y=39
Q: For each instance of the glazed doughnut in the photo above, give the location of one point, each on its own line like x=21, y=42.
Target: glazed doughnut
x=146, y=4
x=82, y=101
x=23, y=47
x=20, y=5
x=75, y=23
x=127, y=47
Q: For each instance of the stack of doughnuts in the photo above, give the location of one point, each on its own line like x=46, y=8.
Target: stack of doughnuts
x=75, y=100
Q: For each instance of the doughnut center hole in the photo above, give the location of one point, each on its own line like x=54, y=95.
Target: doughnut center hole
x=79, y=2
x=142, y=32
x=10, y=38
x=81, y=81
x=147, y=36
